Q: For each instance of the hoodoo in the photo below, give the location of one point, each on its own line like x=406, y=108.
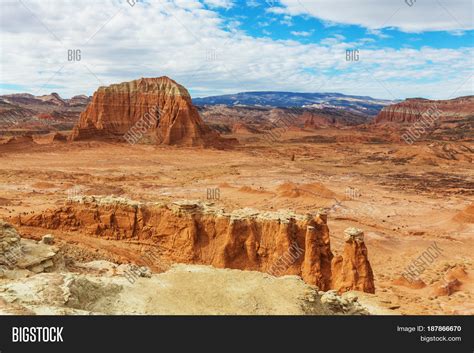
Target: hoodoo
x=158, y=108
x=352, y=270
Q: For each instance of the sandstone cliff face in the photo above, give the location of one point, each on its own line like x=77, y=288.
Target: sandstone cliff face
x=352, y=270
x=193, y=232
x=412, y=110
x=159, y=107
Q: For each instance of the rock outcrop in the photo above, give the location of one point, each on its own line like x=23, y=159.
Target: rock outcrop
x=412, y=110
x=9, y=244
x=451, y=282
x=352, y=270
x=17, y=255
x=80, y=100
x=315, y=121
x=466, y=215
x=242, y=128
x=55, y=137
x=194, y=232
x=17, y=143
x=158, y=108
x=52, y=98
x=182, y=290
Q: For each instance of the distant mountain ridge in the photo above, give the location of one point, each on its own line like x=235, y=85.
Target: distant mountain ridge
x=50, y=112
x=356, y=104
x=51, y=100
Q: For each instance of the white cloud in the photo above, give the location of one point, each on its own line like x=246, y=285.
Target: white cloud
x=335, y=39
x=378, y=33
x=226, y=4
x=428, y=15
x=252, y=3
x=287, y=21
x=457, y=33
x=190, y=43
x=302, y=33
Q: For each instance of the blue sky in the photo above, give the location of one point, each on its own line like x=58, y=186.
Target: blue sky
x=257, y=21
x=227, y=46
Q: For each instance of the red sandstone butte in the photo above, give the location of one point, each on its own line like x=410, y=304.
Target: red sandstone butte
x=115, y=110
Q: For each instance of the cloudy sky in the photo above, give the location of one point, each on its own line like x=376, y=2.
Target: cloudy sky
x=401, y=48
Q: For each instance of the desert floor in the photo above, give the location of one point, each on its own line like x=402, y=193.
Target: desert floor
x=404, y=197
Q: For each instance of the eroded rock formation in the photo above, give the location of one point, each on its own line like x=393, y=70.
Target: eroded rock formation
x=195, y=232
x=17, y=143
x=182, y=290
x=17, y=254
x=315, y=121
x=9, y=244
x=352, y=270
x=156, y=107
x=412, y=110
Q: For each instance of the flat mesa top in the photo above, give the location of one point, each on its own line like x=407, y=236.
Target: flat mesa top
x=197, y=206
x=161, y=84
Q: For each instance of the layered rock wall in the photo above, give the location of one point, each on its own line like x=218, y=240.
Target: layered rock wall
x=412, y=110
x=194, y=232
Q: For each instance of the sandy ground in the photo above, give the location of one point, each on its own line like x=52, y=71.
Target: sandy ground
x=404, y=198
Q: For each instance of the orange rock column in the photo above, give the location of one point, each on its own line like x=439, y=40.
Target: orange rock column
x=352, y=270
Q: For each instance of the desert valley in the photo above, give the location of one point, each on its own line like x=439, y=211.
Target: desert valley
x=141, y=200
